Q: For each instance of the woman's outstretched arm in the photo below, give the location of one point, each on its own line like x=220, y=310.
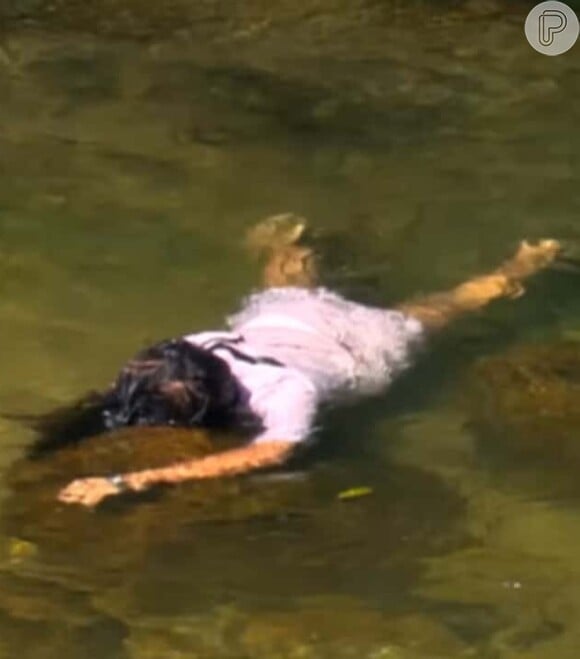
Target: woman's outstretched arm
x=437, y=310
x=91, y=491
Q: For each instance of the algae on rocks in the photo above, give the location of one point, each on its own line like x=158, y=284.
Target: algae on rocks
x=207, y=542
x=529, y=397
x=323, y=627
x=33, y=512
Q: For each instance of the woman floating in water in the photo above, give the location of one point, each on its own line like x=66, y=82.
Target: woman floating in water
x=292, y=347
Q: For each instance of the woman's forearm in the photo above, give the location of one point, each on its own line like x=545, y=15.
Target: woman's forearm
x=228, y=463
x=437, y=310
x=91, y=491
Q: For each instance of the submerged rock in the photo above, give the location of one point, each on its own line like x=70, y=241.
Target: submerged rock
x=59, y=562
x=526, y=403
x=333, y=627
x=118, y=531
x=338, y=627
x=153, y=566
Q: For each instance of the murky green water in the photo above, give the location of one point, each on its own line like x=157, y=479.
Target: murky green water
x=423, y=143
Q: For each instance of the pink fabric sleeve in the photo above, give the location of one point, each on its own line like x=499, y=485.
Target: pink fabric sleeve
x=287, y=410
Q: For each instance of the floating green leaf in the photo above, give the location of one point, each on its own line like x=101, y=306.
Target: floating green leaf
x=354, y=493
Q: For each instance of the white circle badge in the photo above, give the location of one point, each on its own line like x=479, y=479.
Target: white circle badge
x=552, y=28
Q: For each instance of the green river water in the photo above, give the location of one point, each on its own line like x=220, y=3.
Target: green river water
x=422, y=140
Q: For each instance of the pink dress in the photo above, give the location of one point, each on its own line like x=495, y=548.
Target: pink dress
x=292, y=349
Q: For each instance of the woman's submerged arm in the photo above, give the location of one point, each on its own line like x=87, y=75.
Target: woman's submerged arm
x=91, y=491
x=438, y=310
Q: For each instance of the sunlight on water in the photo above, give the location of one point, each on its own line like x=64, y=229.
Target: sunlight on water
x=422, y=144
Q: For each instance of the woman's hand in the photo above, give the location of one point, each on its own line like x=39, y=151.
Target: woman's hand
x=88, y=491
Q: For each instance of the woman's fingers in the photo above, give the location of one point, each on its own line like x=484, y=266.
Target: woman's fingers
x=531, y=258
x=87, y=491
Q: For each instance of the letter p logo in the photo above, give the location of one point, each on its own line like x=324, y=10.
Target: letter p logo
x=551, y=22
x=552, y=28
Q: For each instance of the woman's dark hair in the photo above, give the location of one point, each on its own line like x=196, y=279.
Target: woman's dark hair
x=172, y=383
